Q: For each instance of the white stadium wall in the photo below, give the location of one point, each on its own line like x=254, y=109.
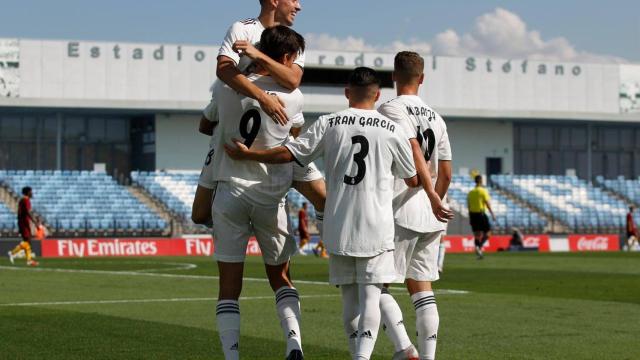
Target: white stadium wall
x=473, y=94
x=178, y=144
x=472, y=142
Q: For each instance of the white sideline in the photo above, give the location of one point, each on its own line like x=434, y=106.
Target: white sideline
x=198, y=277
x=143, y=301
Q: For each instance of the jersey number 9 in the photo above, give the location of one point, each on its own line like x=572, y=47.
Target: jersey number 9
x=250, y=135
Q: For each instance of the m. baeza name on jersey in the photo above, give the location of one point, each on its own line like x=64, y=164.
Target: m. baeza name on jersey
x=422, y=111
x=362, y=121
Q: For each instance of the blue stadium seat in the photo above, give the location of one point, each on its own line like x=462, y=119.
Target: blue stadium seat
x=76, y=201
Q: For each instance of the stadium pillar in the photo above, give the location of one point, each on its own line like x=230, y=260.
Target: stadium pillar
x=59, y=142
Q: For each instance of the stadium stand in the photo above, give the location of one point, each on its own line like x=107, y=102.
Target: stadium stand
x=574, y=202
x=509, y=214
x=8, y=222
x=628, y=189
x=84, y=203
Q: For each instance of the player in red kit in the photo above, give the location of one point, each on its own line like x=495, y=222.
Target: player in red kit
x=26, y=221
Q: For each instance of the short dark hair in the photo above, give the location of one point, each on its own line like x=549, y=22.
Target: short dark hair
x=281, y=40
x=364, y=77
x=631, y=208
x=478, y=179
x=408, y=65
x=26, y=190
x=364, y=83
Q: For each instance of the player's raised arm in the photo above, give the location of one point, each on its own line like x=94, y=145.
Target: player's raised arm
x=288, y=77
x=228, y=72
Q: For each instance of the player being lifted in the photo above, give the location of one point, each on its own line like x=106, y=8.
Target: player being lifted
x=236, y=54
x=362, y=151
x=250, y=197
x=420, y=216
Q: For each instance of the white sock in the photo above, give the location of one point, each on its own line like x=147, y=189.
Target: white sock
x=288, y=307
x=369, y=296
x=427, y=321
x=228, y=324
x=350, y=315
x=319, y=221
x=392, y=321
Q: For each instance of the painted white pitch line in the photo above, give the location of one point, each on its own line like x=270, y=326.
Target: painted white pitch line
x=197, y=277
x=144, y=301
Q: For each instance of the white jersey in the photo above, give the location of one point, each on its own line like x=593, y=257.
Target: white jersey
x=412, y=209
x=251, y=31
x=363, y=151
x=242, y=118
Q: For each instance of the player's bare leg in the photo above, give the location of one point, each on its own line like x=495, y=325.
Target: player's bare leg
x=228, y=308
x=315, y=191
x=201, y=209
x=287, y=307
x=427, y=318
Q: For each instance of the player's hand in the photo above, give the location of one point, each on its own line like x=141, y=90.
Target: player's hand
x=273, y=106
x=441, y=212
x=238, y=151
x=245, y=48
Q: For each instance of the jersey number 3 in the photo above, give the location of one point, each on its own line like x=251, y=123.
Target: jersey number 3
x=250, y=135
x=358, y=158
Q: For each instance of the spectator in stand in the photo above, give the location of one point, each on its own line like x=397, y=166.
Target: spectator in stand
x=478, y=203
x=26, y=222
x=517, y=240
x=632, y=230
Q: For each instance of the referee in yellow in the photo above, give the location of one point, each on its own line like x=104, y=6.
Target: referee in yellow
x=478, y=203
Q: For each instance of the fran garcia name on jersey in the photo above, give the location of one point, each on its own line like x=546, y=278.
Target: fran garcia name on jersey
x=422, y=111
x=362, y=121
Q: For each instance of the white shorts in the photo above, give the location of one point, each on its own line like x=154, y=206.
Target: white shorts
x=235, y=219
x=416, y=255
x=345, y=270
x=306, y=174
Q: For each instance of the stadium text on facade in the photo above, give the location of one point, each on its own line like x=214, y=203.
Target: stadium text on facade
x=115, y=51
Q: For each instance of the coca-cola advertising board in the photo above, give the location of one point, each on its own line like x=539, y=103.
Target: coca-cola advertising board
x=594, y=243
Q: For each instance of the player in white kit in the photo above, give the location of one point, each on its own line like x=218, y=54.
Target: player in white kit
x=420, y=216
x=250, y=198
x=363, y=151
x=236, y=54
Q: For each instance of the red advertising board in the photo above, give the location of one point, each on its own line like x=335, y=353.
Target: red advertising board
x=457, y=243
x=188, y=246
x=594, y=243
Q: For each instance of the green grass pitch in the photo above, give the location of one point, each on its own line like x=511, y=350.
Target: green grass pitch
x=508, y=306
